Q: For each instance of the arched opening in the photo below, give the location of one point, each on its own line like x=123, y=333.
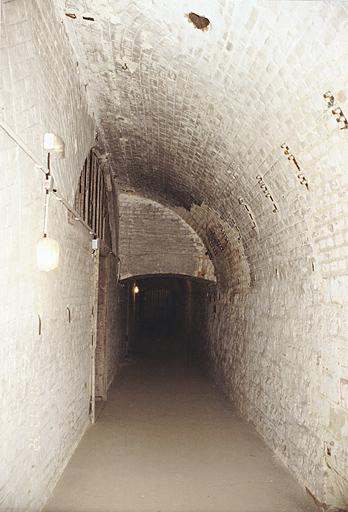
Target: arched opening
x=167, y=316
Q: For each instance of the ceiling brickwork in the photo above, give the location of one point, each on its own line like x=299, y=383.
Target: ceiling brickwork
x=156, y=240
x=191, y=118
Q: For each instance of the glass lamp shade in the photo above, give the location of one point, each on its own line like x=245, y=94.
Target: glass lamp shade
x=47, y=254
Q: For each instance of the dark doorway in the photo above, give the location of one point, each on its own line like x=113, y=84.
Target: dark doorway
x=166, y=316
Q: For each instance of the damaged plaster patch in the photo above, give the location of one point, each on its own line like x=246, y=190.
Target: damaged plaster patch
x=200, y=22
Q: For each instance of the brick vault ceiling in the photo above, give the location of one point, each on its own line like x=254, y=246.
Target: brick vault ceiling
x=189, y=116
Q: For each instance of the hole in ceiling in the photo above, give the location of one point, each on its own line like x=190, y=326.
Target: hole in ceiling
x=88, y=18
x=199, y=22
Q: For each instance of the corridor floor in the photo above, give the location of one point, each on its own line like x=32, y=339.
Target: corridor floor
x=168, y=441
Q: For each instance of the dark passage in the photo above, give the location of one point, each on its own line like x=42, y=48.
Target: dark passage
x=160, y=307
x=167, y=317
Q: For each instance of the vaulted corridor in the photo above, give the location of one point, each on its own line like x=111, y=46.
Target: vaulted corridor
x=174, y=258
x=168, y=440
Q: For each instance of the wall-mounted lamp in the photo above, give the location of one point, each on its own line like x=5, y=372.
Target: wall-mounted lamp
x=136, y=289
x=47, y=251
x=52, y=143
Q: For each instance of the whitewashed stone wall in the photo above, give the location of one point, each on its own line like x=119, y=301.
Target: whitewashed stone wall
x=281, y=355
x=44, y=378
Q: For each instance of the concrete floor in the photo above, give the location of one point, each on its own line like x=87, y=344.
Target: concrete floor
x=168, y=441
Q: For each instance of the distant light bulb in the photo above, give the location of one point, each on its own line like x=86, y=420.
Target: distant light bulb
x=47, y=254
x=136, y=289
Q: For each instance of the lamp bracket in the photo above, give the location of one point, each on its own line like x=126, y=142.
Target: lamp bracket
x=49, y=183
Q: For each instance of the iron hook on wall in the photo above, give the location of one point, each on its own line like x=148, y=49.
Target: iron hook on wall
x=300, y=176
x=266, y=192
x=336, y=110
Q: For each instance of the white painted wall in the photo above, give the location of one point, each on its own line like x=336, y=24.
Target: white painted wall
x=44, y=379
